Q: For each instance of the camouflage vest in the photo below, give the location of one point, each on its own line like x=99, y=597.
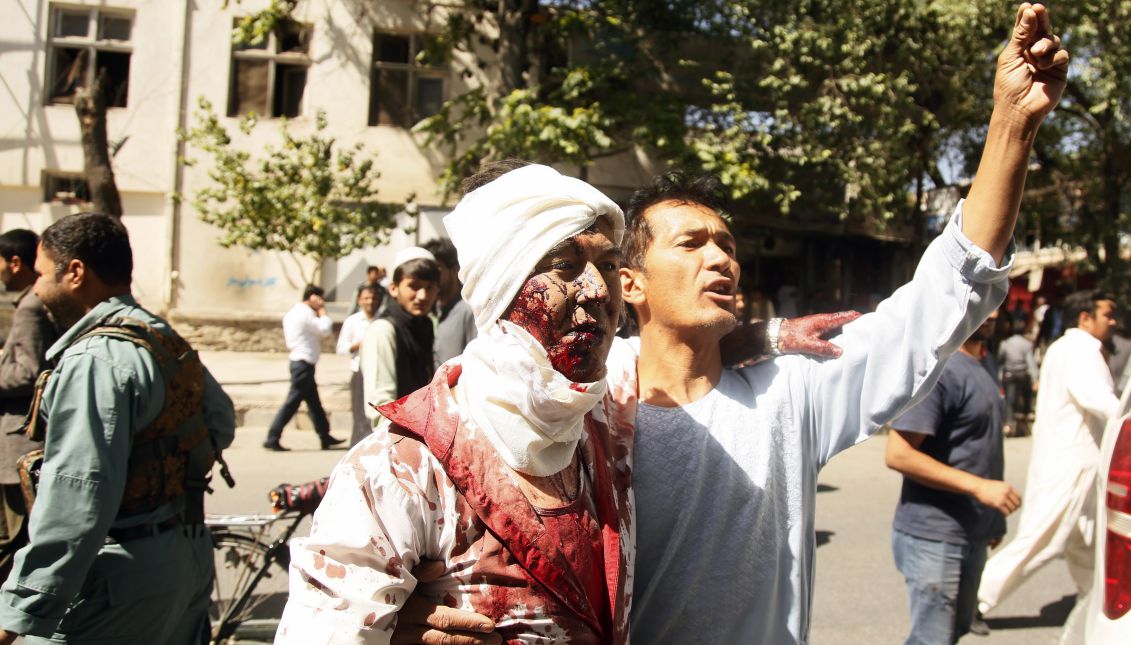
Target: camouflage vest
x=174, y=455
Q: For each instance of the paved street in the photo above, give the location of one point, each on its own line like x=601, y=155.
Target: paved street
x=859, y=597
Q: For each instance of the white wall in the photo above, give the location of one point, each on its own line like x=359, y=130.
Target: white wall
x=178, y=260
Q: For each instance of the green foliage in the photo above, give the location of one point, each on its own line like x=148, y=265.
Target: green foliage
x=254, y=29
x=1084, y=150
x=847, y=106
x=812, y=109
x=571, y=82
x=303, y=197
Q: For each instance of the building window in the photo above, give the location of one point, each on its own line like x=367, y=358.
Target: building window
x=408, y=83
x=65, y=188
x=82, y=42
x=269, y=78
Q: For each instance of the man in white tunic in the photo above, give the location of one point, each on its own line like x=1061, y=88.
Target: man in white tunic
x=349, y=344
x=1073, y=406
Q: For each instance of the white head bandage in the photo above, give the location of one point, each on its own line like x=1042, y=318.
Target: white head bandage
x=503, y=229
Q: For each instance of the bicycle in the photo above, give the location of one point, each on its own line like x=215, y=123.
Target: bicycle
x=252, y=560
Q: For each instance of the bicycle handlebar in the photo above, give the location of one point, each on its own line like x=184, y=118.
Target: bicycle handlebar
x=298, y=497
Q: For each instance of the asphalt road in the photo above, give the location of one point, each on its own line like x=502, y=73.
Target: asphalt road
x=859, y=596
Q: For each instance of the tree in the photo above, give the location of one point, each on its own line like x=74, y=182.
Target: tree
x=565, y=81
x=846, y=109
x=802, y=106
x=305, y=197
x=90, y=106
x=1085, y=149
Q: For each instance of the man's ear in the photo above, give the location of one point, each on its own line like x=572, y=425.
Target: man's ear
x=632, y=286
x=1084, y=319
x=15, y=263
x=75, y=274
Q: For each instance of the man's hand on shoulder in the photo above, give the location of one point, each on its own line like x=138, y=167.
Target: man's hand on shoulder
x=7, y=637
x=805, y=335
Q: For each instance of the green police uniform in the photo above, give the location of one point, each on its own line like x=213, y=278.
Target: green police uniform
x=92, y=572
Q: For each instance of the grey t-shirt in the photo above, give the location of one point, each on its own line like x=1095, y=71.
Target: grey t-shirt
x=454, y=330
x=700, y=479
x=962, y=418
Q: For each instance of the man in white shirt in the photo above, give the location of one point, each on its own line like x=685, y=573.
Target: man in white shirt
x=304, y=326
x=349, y=344
x=1073, y=405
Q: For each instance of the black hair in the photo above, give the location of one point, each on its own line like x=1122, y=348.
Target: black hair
x=444, y=251
x=489, y=172
x=98, y=240
x=371, y=268
x=1082, y=302
x=312, y=290
x=19, y=243
x=675, y=186
x=420, y=269
x=372, y=288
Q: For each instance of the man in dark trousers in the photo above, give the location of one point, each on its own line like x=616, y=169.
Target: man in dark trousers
x=22, y=360
x=954, y=502
x=304, y=326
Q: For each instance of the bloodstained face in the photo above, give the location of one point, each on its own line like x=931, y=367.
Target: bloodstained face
x=571, y=304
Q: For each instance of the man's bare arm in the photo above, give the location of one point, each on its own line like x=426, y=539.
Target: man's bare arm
x=1032, y=72
x=903, y=455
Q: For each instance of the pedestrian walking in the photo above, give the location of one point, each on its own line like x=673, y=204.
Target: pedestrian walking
x=1074, y=402
x=953, y=504
x=1019, y=378
x=304, y=326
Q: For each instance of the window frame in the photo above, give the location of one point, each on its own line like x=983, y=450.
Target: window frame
x=413, y=71
x=92, y=43
x=77, y=197
x=269, y=53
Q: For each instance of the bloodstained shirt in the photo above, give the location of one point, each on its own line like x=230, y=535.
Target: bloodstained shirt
x=434, y=488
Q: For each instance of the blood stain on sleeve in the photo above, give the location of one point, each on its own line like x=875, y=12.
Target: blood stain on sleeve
x=393, y=566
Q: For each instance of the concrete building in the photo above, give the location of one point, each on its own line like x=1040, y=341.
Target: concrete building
x=352, y=60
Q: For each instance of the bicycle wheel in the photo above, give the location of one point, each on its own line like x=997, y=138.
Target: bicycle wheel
x=238, y=557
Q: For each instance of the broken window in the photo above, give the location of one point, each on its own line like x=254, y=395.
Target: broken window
x=409, y=79
x=83, y=42
x=269, y=78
